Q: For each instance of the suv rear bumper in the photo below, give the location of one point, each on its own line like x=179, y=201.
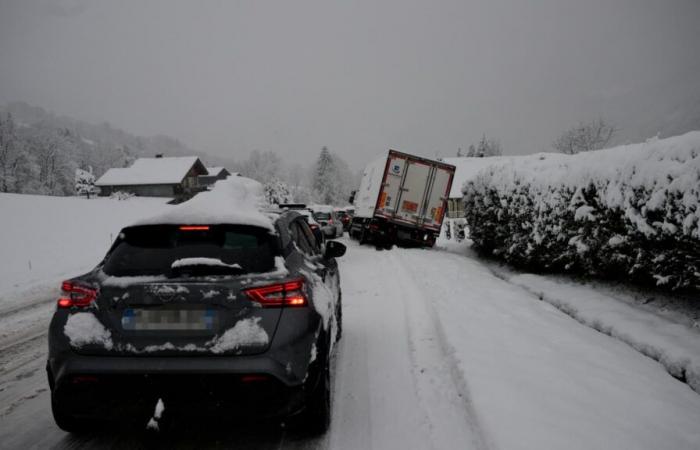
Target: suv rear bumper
x=117, y=388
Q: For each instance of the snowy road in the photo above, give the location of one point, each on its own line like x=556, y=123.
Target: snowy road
x=437, y=353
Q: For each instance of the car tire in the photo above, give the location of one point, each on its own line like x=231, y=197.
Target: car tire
x=68, y=423
x=339, y=317
x=318, y=406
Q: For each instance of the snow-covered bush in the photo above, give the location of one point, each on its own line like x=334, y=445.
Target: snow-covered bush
x=627, y=212
x=121, y=195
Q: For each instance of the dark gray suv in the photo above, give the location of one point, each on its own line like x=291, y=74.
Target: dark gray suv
x=222, y=319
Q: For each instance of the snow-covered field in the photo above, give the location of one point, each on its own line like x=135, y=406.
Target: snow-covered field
x=437, y=352
x=46, y=238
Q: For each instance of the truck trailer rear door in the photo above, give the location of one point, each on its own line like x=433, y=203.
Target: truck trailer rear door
x=413, y=191
x=435, y=204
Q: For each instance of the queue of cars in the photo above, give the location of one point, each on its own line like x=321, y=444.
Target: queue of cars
x=331, y=221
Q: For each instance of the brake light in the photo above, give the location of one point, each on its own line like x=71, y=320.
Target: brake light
x=254, y=378
x=76, y=295
x=194, y=228
x=290, y=293
x=313, y=226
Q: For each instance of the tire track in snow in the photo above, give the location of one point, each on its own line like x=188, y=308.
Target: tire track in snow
x=438, y=378
x=377, y=405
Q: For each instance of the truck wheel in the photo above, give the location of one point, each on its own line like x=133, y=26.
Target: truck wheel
x=363, y=236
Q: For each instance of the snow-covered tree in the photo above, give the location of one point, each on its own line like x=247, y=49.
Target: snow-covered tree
x=277, y=192
x=488, y=147
x=332, y=179
x=472, y=151
x=85, y=182
x=585, y=137
x=10, y=154
x=262, y=166
x=324, y=181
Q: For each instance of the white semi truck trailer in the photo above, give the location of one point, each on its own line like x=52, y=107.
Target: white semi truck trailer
x=401, y=200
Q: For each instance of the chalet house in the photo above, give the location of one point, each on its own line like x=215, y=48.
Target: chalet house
x=215, y=174
x=176, y=177
x=466, y=169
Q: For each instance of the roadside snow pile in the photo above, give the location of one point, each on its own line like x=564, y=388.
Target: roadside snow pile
x=236, y=200
x=84, y=329
x=631, y=211
x=675, y=346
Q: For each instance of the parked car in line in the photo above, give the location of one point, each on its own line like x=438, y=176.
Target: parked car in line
x=316, y=227
x=197, y=312
x=325, y=215
x=344, y=218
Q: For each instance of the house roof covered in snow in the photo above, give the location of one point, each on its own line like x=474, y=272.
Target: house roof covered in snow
x=215, y=171
x=467, y=168
x=153, y=171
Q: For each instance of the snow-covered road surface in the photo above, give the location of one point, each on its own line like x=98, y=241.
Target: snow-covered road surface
x=437, y=352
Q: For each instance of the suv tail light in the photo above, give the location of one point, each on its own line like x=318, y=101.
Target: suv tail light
x=290, y=293
x=76, y=295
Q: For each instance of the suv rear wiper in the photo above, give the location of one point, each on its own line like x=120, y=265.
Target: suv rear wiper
x=204, y=266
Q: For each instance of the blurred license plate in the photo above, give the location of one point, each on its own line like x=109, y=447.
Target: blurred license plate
x=168, y=319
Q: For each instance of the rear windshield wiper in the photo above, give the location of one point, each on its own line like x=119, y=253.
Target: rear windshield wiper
x=204, y=266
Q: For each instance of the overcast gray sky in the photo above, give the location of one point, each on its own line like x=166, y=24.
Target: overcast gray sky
x=228, y=77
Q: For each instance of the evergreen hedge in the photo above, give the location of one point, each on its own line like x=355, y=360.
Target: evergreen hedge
x=628, y=212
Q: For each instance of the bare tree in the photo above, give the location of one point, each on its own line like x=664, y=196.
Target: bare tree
x=585, y=137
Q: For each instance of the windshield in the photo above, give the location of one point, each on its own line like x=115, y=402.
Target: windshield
x=322, y=215
x=152, y=250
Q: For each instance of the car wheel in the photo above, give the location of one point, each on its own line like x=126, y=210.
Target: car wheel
x=68, y=423
x=339, y=317
x=318, y=406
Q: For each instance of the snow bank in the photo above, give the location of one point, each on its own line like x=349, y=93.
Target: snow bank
x=675, y=346
x=46, y=238
x=84, y=329
x=629, y=211
x=236, y=200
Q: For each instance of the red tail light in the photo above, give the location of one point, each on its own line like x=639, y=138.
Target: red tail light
x=76, y=295
x=277, y=295
x=194, y=228
x=313, y=226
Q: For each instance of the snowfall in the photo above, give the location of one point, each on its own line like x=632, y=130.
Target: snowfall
x=439, y=350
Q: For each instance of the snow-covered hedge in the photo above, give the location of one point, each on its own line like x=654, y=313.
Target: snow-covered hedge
x=626, y=212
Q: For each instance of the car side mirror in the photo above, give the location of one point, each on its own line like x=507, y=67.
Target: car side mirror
x=334, y=250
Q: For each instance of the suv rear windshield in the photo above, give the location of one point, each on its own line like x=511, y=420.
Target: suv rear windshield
x=322, y=215
x=152, y=249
